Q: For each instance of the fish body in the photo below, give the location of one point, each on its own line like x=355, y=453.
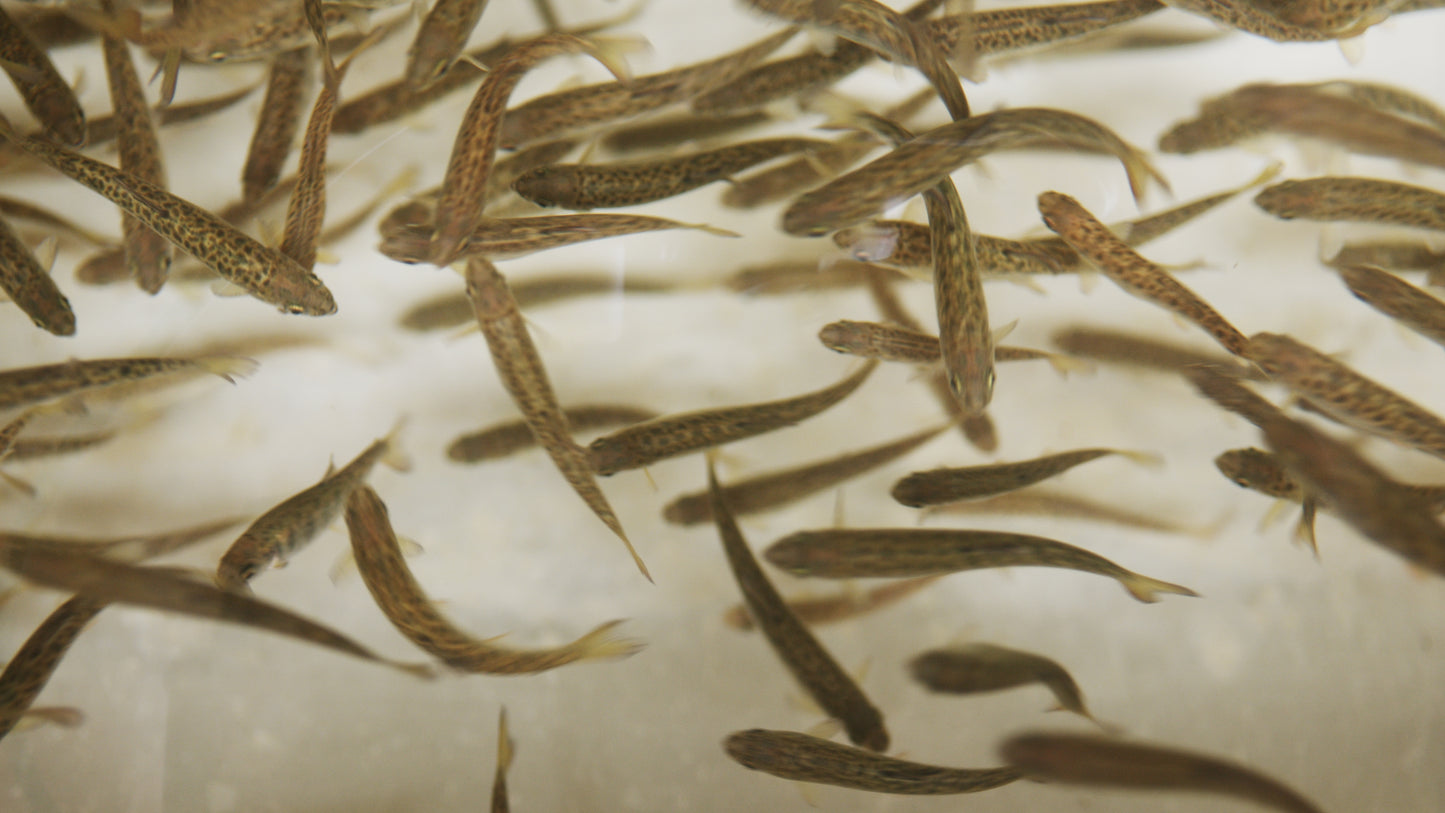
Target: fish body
x=506, y=238
x=972, y=482
x=277, y=122
x=46, y=93
x=514, y=436
x=22, y=386
x=1357, y=200
x=981, y=667
x=803, y=758
x=832, y=609
x=1132, y=349
x=27, y=673
x=1397, y=299
x=30, y=287
x=442, y=36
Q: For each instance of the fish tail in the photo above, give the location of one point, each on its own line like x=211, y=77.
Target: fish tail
x=1138, y=167
x=506, y=749
x=720, y=232
x=601, y=644
x=425, y=671
x=612, y=53
x=1144, y=588
x=394, y=456
x=229, y=367
x=616, y=526
x=1151, y=459
x=1063, y=365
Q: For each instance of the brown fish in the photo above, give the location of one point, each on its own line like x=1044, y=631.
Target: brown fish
x=1075, y=759
x=1132, y=349
x=980, y=667
x=1356, y=200
x=811, y=665
x=831, y=609
x=442, y=36
x=1037, y=502
x=406, y=606
x=506, y=238
x=1397, y=299
x=646, y=443
x=896, y=552
x=1251, y=18
x=506, y=750
x=514, y=436
x=30, y=287
x=277, y=122
x=27, y=673
x=22, y=386
x=676, y=130
x=47, y=95
x=452, y=310
x=940, y=486
x=802, y=758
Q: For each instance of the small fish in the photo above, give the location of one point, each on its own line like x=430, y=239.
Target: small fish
x=1333, y=15
x=1044, y=503
x=872, y=340
x=27, y=673
x=452, y=310
x=267, y=274
x=1397, y=299
x=47, y=95
x=971, y=482
x=147, y=254
x=1132, y=349
x=30, y=287
x=511, y=437
x=628, y=183
x=459, y=206
x=669, y=436
x=918, y=164
x=442, y=36
x=1011, y=30
x=406, y=606
x=520, y=368
x=506, y=750
x=672, y=131
x=802, y=758
x=506, y=238
x=1075, y=759
x=277, y=122
x=765, y=492
x=897, y=552
x=1132, y=272
x=292, y=524
x=811, y=665
x=1250, y=17
x=980, y=667
x=132, y=549
x=791, y=276
x=1346, y=396
x=849, y=604
x=22, y=386
x=1396, y=255
x=1388, y=98
x=32, y=448
x=1356, y=200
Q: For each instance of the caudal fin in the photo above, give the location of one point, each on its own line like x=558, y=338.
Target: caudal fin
x=1146, y=589
x=601, y=644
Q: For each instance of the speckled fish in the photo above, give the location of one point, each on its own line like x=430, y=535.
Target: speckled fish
x=765, y=492
x=220, y=30
x=897, y=552
x=267, y=274
x=459, y=206
x=1345, y=395
x=679, y=129
x=810, y=664
x=291, y=525
x=1396, y=255
x=831, y=609
x=1249, y=17
x=419, y=211
x=1075, y=759
x=1389, y=98
x=22, y=386
x=406, y=606
x=794, y=276
x=998, y=31
x=628, y=183
x=30, y=287
x=892, y=343
x=1357, y=200
x=46, y=93
x=506, y=238
x=442, y=36
x=1397, y=299
x=913, y=167
x=669, y=436
x=979, y=667
x=506, y=750
x=1333, y=15
x=513, y=436
x=580, y=109
x=520, y=368
x=1134, y=350
x=50, y=27
x=278, y=121
x=452, y=310
x=803, y=758
x=27, y=673
x=25, y=212
x=1038, y=502
x=876, y=26
x=133, y=548
x=1130, y=271
x=147, y=254
x=940, y=486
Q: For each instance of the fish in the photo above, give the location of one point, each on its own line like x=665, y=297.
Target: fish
x=293, y=523
x=25, y=211
x=775, y=489
x=520, y=368
x=134, y=548
x=980, y=667
x=791, y=276
x=898, y=552
x=1045, y=503
x=267, y=274
x=32, y=448
x=506, y=238
x=803, y=758
x=147, y=254
x=1135, y=350
x=933, y=154
x=1396, y=255
x=1387, y=98
x=277, y=122
x=1132, y=272
x=810, y=664
x=645, y=443
x=946, y=485
x=891, y=343
x=27, y=673
x=675, y=130
x=1077, y=759
x=440, y=39
x=1333, y=15
x=832, y=609
x=47, y=95
x=1397, y=299
x=1356, y=200
x=999, y=31
x=505, y=439
x=406, y=606
x=22, y=386
x=506, y=751
x=1346, y=396
x=459, y=206
x=1251, y=18
x=452, y=310
x=30, y=287
x=628, y=183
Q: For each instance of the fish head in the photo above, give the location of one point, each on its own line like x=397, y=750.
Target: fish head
x=546, y=186
x=973, y=385
x=304, y=295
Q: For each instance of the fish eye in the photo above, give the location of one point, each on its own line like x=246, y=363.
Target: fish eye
x=295, y=309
